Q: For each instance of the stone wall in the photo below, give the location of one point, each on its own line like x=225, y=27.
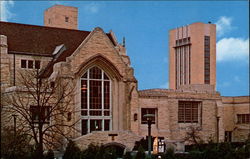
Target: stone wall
x=231, y=107
x=166, y=102
x=126, y=138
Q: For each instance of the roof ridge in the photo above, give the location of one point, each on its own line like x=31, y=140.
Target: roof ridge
x=41, y=26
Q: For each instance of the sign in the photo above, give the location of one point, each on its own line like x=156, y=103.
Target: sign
x=155, y=146
x=161, y=146
x=158, y=145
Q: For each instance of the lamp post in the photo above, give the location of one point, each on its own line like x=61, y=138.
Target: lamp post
x=149, y=119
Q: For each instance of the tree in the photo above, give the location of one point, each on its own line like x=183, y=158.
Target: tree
x=192, y=136
x=43, y=108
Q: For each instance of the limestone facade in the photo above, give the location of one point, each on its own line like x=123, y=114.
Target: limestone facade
x=215, y=114
x=61, y=16
x=192, y=55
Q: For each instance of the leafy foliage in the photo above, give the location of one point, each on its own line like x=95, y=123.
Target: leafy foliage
x=141, y=153
x=15, y=145
x=170, y=153
x=72, y=151
x=50, y=154
x=127, y=155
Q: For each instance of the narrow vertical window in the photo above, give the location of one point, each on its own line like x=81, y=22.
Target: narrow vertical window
x=23, y=63
x=66, y=19
x=84, y=127
x=30, y=64
x=207, y=60
x=37, y=64
x=182, y=62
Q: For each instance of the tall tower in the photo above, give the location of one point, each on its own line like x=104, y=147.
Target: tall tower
x=192, y=55
x=61, y=16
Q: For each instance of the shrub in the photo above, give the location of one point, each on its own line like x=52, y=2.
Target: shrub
x=170, y=153
x=141, y=153
x=127, y=155
x=72, y=151
x=50, y=154
x=15, y=145
x=93, y=152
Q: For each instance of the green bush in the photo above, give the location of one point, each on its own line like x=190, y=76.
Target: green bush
x=141, y=153
x=91, y=152
x=127, y=155
x=50, y=155
x=170, y=153
x=15, y=145
x=72, y=151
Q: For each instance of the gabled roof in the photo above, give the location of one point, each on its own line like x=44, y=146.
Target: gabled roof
x=41, y=40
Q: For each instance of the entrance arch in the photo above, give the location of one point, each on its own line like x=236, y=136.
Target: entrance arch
x=114, y=147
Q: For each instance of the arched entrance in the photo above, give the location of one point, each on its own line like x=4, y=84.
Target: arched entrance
x=114, y=149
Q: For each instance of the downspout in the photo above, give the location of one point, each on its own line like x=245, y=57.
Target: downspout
x=218, y=120
x=14, y=69
x=217, y=124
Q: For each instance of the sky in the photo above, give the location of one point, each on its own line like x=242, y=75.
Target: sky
x=145, y=26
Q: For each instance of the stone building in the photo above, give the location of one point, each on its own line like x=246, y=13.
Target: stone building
x=111, y=107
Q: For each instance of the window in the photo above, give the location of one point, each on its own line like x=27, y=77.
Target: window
x=66, y=19
x=182, y=62
x=188, y=111
x=207, y=59
x=228, y=136
x=30, y=64
x=37, y=64
x=23, y=63
x=40, y=112
x=95, y=101
x=243, y=118
x=145, y=111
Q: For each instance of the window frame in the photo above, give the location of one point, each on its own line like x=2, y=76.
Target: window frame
x=85, y=112
x=143, y=121
x=23, y=63
x=36, y=110
x=66, y=19
x=188, y=106
x=30, y=64
x=243, y=118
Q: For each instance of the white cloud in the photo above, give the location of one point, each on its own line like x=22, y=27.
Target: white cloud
x=229, y=49
x=223, y=25
x=91, y=8
x=5, y=13
x=165, y=85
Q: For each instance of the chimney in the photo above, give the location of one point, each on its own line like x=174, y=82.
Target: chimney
x=61, y=16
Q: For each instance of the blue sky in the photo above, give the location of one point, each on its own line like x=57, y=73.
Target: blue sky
x=145, y=24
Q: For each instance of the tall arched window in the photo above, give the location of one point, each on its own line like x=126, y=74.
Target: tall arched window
x=95, y=101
